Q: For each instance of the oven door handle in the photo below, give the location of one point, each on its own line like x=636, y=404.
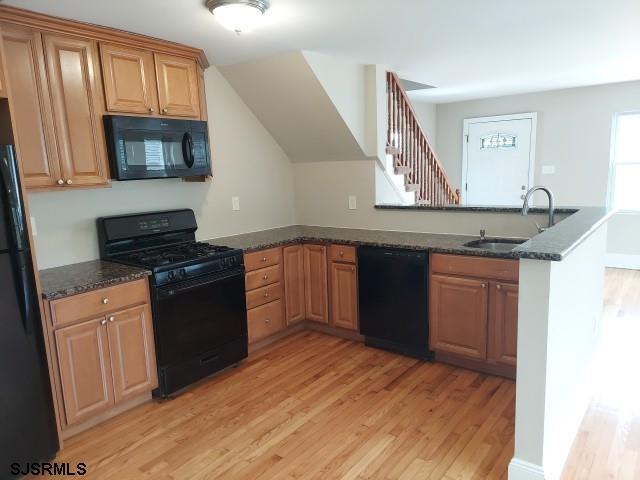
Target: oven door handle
x=169, y=291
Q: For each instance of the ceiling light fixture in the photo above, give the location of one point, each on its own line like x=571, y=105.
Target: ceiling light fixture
x=239, y=16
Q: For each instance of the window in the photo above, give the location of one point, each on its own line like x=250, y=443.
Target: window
x=498, y=140
x=625, y=175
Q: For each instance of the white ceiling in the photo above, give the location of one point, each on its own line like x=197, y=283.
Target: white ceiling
x=467, y=48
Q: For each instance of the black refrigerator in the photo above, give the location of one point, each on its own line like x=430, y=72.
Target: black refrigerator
x=27, y=420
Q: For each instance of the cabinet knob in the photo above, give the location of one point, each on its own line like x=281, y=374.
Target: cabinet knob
x=151, y=109
x=112, y=319
x=103, y=322
x=498, y=287
x=484, y=285
x=164, y=110
x=60, y=181
x=266, y=295
x=105, y=301
x=267, y=320
x=265, y=277
x=264, y=259
x=341, y=253
x=69, y=182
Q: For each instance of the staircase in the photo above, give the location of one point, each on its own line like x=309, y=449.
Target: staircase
x=412, y=154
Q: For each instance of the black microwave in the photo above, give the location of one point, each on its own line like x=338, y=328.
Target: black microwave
x=142, y=148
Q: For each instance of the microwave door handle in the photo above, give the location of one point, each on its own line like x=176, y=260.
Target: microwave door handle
x=187, y=150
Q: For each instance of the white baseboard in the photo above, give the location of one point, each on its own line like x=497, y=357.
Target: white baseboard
x=521, y=470
x=617, y=260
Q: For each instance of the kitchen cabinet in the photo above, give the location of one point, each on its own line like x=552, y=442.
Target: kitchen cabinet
x=459, y=316
x=294, y=298
x=503, y=328
x=3, y=83
x=343, y=280
x=315, y=282
x=263, y=283
x=103, y=353
x=75, y=84
x=33, y=118
x=85, y=369
x=129, y=79
x=178, y=86
x=132, y=353
x=474, y=312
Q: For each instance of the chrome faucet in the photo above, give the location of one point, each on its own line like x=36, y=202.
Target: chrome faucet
x=525, y=206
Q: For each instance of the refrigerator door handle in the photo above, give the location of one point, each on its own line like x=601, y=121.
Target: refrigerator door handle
x=11, y=187
x=24, y=289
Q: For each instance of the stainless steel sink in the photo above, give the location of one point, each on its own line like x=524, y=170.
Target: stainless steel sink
x=496, y=244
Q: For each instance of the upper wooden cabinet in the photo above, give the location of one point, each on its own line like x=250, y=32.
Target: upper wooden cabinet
x=315, y=281
x=33, y=119
x=75, y=86
x=178, y=87
x=294, y=284
x=129, y=79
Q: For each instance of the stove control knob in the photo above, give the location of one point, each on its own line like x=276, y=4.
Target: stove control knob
x=183, y=273
x=172, y=275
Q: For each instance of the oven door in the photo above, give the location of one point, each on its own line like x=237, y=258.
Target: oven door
x=197, y=316
x=146, y=148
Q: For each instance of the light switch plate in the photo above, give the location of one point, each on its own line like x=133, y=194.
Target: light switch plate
x=34, y=228
x=548, y=169
x=235, y=203
x=352, y=202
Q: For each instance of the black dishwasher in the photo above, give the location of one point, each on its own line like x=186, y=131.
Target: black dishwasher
x=393, y=293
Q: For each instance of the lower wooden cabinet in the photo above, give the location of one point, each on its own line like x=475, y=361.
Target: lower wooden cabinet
x=104, y=356
x=315, y=283
x=459, y=316
x=344, y=295
x=294, y=299
x=265, y=320
x=85, y=369
x=474, y=312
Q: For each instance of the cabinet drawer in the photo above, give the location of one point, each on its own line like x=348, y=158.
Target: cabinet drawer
x=494, y=268
x=263, y=295
x=342, y=253
x=263, y=258
x=262, y=277
x=99, y=302
x=265, y=320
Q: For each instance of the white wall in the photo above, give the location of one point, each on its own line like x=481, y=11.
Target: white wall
x=247, y=162
x=428, y=119
x=559, y=315
x=323, y=189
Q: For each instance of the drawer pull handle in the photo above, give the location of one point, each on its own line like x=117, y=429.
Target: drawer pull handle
x=264, y=259
x=266, y=295
x=209, y=359
x=265, y=277
x=105, y=301
x=112, y=319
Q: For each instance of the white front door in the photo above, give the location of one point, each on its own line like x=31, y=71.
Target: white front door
x=498, y=162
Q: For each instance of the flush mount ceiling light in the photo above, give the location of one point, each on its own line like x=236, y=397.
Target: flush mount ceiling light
x=239, y=16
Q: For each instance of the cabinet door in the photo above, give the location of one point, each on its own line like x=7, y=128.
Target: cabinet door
x=177, y=86
x=458, y=319
x=132, y=352
x=294, y=284
x=503, y=323
x=32, y=121
x=85, y=369
x=74, y=83
x=344, y=295
x=129, y=79
x=315, y=283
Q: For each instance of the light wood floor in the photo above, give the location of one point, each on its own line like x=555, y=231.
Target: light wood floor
x=318, y=407
x=314, y=407
x=608, y=444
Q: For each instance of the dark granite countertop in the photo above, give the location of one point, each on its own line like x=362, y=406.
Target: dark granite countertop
x=474, y=208
x=78, y=278
x=554, y=244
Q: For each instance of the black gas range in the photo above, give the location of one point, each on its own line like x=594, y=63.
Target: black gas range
x=197, y=289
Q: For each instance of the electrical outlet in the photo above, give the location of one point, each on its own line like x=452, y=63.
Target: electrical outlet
x=352, y=202
x=548, y=169
x=34, y=228
x=235, y=203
